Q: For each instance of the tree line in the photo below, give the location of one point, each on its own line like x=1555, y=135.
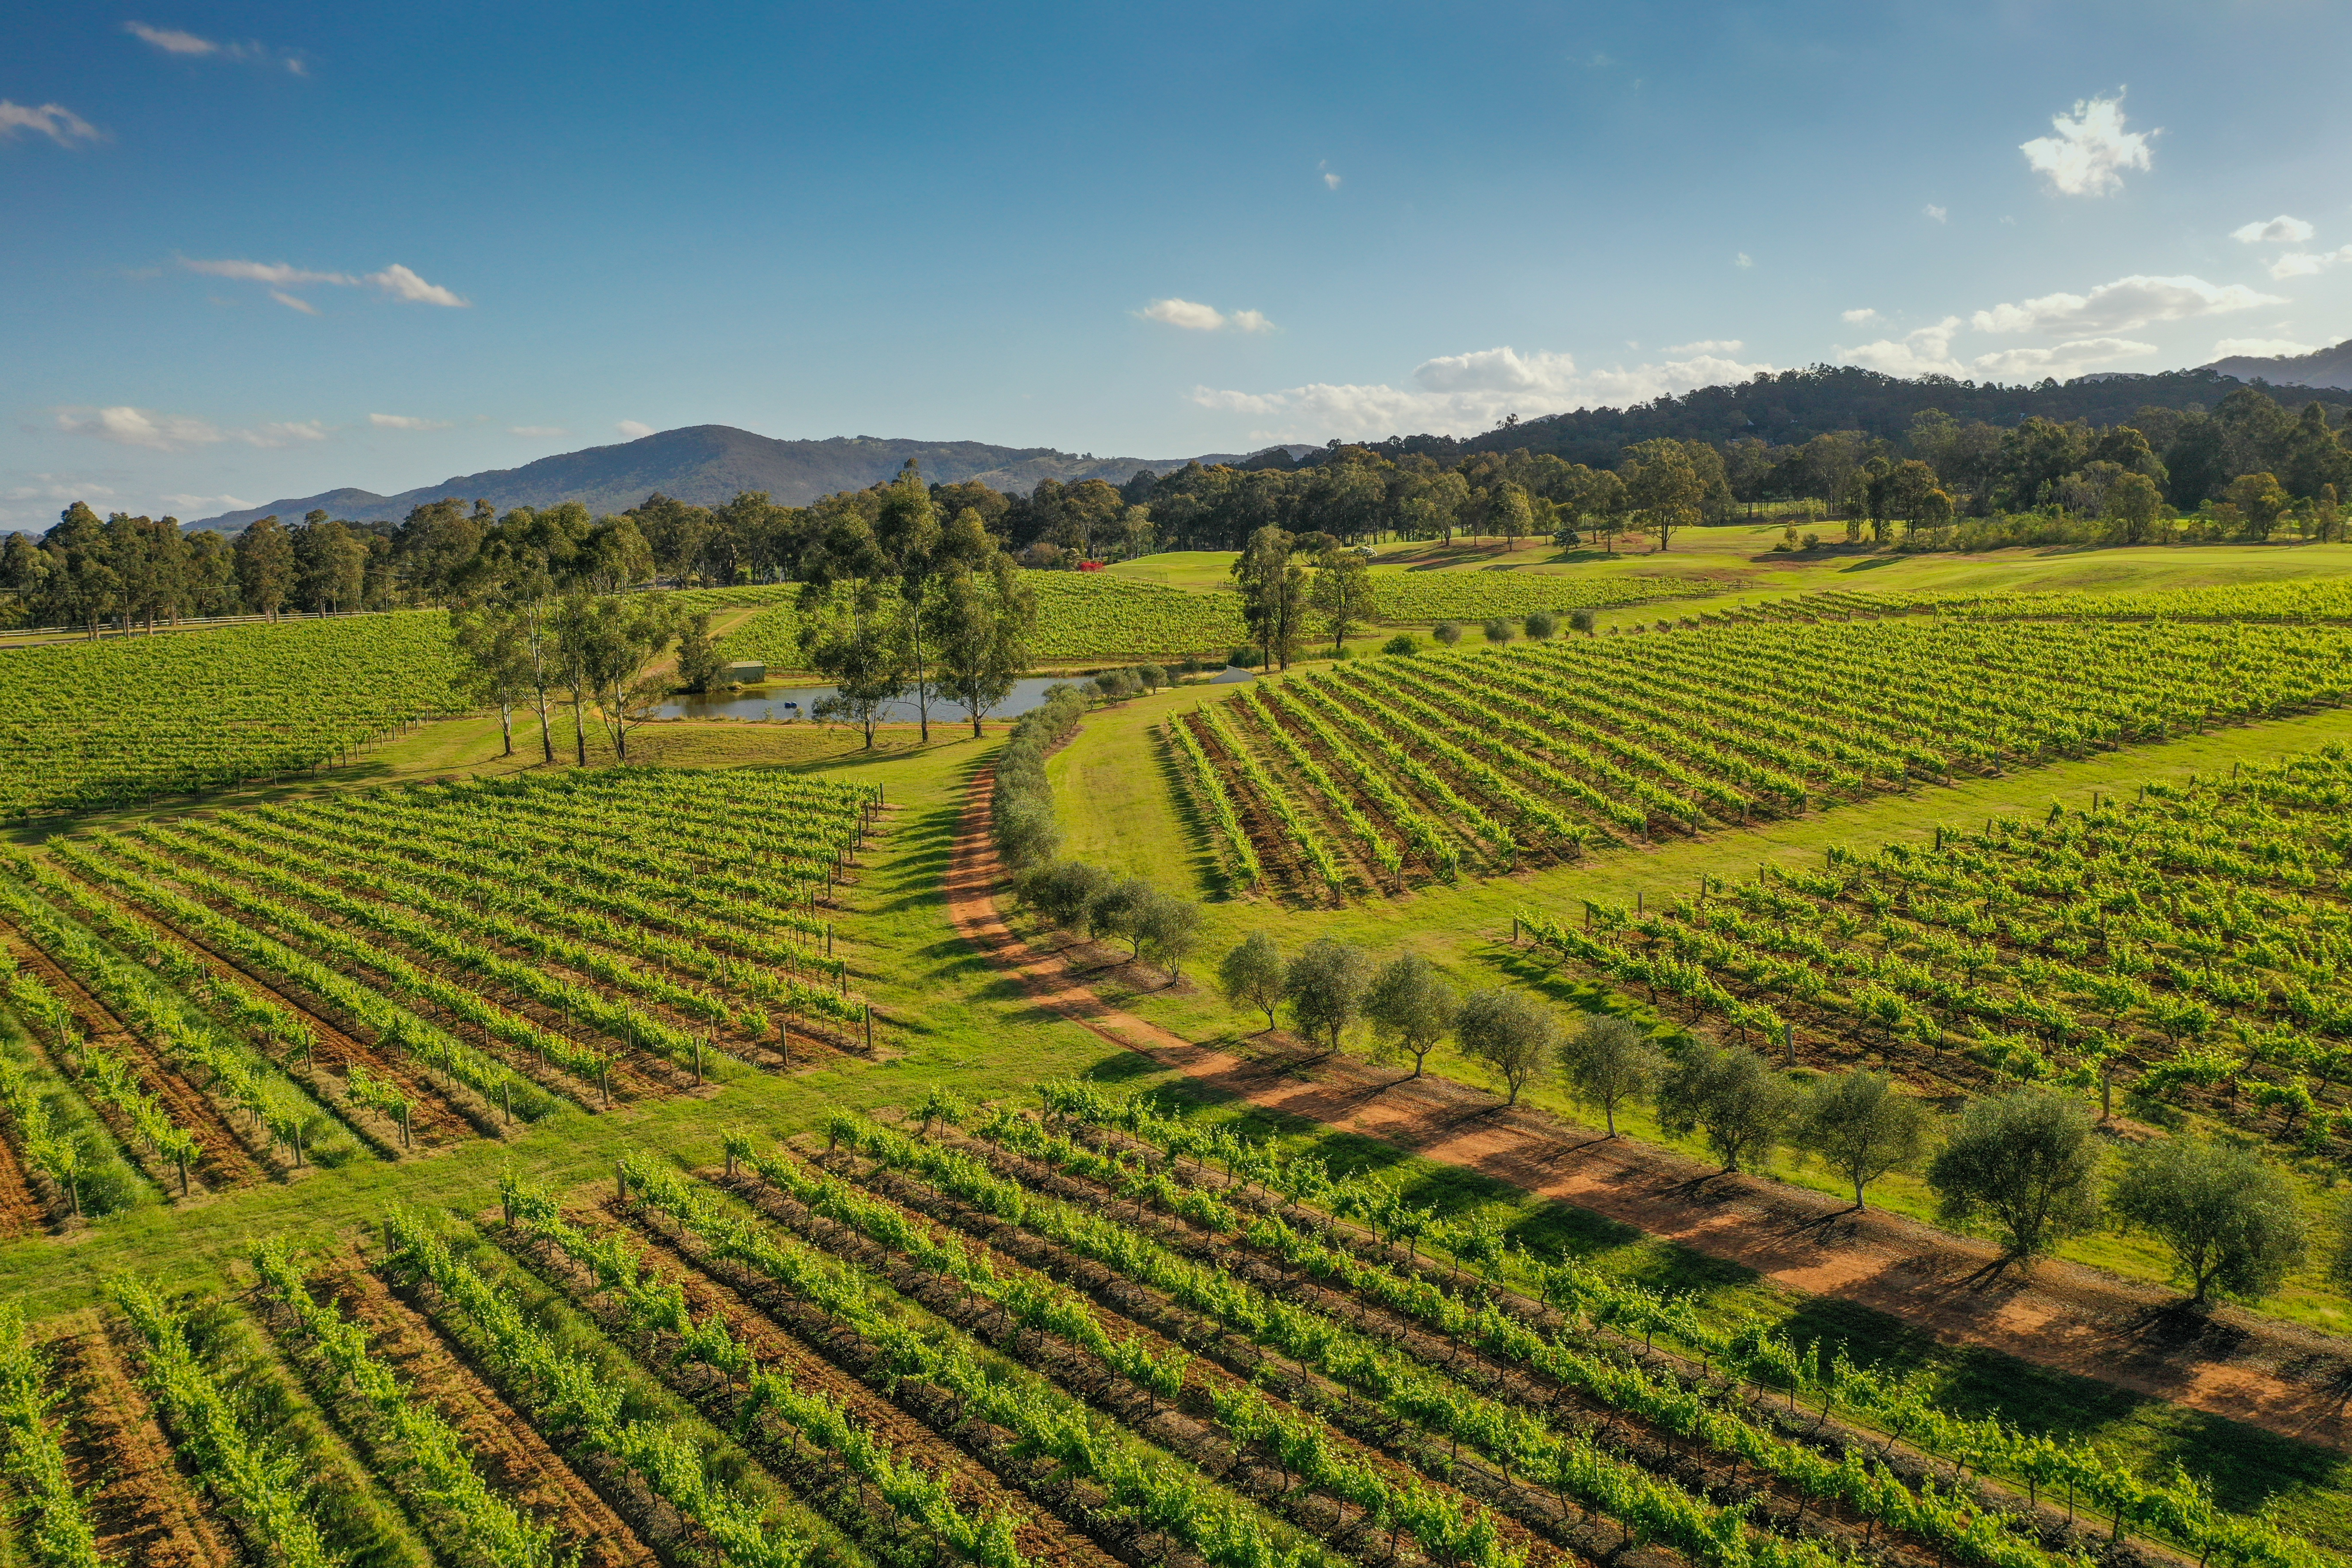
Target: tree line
x=2238, y=470
x=2028, y=1166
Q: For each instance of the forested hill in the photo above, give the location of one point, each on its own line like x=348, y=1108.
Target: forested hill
x=707, y=465
x=1795, y=406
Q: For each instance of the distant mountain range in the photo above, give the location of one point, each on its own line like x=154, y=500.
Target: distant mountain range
x=2321, y=367
x=709, y=464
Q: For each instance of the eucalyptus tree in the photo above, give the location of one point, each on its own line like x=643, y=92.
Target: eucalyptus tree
x=980, y=618
x=1274, y=596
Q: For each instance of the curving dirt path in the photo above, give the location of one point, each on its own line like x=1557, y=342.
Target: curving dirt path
x=2076, y=1319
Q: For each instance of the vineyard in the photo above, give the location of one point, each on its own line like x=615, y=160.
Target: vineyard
x=255, y=994
x=104, y=723
x=2188, y=947
x=2322, y=601
x=1099, y=1335
x=1419, y=597
x=1379, y=773
x=1088, y=616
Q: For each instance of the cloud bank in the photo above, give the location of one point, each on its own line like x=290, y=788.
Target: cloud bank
x=125, y=426
x=1464, y=395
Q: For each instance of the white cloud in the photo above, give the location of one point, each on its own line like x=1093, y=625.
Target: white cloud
x=128, y=426
x=1195, y=316
x=402, y=284
x=193, y=45
x=536, y=430
x=1928, y=350
x=293, y=302
x=172, y=40
x=1856, y=318
x=59, y=487
x=2065, y=360
x=273, y=272
x=2280, y=230
x=1741, y=260
x=1462, y=395
x=204, y=503
x=2261, y=348
x=2119, y=306
x=1330, y=180
x=634, y=429
x=395, y=279
x=406, y=422
x=2306, y=263
x=281, y=435
x=1923, y=352
x=1495, y=370
x=1709, y=346
x=54, y=120
x=1187, y=314
x=1938, y=214
x=2091, y=149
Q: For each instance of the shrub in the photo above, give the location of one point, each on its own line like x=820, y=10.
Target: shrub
x=1401, y=643
x=1150, y=676
x=1240, y=659
x=1582, y=621
x=1021, y=814
x=1540, y=625
x=1447, y=632
x=1499, y=630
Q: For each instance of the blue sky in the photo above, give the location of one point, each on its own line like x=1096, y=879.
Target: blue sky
x=257, y=250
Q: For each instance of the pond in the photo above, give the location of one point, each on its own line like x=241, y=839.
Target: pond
x=788, y=702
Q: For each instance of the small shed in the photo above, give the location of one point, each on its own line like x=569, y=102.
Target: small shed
x=744, y=672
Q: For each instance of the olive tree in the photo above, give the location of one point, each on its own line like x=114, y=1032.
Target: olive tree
x=1607, y=1060
x=1250, y=976
x=1508, y=1033
x=1325, y=987
x=1410, y=1007
x=1066, y=892
x=1861, y=1127
x=2027, y=1163
x=2226, y=1215
x=1729, y=1094
x=1169, y=929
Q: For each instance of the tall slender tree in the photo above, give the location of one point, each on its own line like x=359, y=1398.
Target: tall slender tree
x=1274, y=596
